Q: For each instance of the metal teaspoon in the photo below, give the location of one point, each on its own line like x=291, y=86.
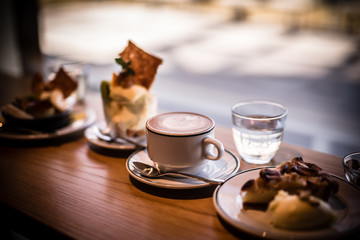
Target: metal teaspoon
x=105, y=136
x=154, y=172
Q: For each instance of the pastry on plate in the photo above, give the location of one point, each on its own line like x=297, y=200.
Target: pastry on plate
x=46, y=108
x=294, y=194
x=292, y=176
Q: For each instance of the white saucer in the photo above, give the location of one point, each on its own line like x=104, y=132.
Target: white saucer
x=220, y=169
x=90, y=135
x=228, y=204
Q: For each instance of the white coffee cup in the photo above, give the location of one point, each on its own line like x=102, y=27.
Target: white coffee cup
x=182, y=140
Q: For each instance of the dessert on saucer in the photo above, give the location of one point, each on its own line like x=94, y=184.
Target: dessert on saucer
x=127, y=99
x=47, y=107
x=281, y=216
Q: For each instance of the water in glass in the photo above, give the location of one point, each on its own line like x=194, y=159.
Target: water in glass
x=258, y=141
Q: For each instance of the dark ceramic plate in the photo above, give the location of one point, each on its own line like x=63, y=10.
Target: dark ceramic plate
x=51, y=123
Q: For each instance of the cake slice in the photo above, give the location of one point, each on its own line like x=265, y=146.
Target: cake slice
x=293, y=177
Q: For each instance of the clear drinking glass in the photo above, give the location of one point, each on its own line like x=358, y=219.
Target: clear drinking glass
x=258, y=128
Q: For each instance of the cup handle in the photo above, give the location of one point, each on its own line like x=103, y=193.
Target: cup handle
x=217, y=144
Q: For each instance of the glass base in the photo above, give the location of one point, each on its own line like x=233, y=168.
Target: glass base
x=256, y=159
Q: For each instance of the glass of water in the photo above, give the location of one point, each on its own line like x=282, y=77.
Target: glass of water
x=258, y=128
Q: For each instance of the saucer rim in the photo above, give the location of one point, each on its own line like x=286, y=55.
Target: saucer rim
x=72, y=128
x=193, y=185
x=223, y=194
x=102, y=144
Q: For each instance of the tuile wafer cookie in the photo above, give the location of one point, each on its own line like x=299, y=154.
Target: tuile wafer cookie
x=142, y=63
x=63, y=82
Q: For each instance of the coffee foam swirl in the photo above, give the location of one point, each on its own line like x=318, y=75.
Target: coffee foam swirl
x=180, y=123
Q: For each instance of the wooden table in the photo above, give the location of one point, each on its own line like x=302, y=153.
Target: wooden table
x=69, y=190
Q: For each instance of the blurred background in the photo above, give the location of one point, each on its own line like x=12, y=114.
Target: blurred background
x=302, y=53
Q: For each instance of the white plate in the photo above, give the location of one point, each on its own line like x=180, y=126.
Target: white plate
x=90, y=135
x=83, y=118
x=228, y=204
x=220, y=169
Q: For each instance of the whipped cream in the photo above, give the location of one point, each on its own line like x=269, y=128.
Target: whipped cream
x=129, y=108
x=291, y=212
x=57, y=99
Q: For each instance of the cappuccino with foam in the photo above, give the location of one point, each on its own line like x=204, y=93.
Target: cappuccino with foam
x=181, y=140
x=180, y=123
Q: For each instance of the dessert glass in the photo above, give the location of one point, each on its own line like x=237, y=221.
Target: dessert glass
x=126, y=117
x=351, y=166
x=79, y=71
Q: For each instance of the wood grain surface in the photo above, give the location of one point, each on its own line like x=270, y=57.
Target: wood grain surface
x=85, y=194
